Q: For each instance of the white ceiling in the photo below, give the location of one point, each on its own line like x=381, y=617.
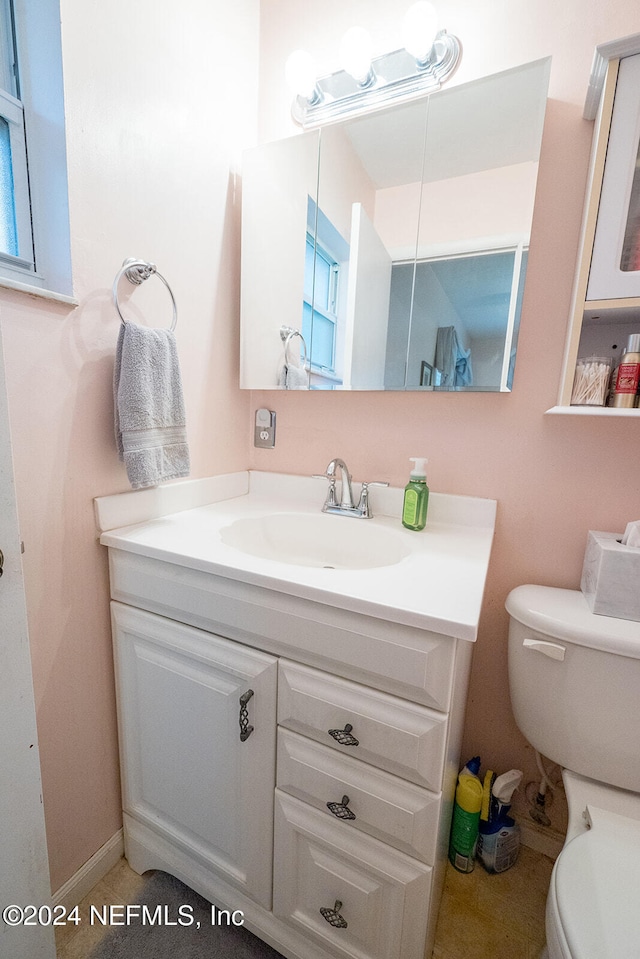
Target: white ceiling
x=492, y=122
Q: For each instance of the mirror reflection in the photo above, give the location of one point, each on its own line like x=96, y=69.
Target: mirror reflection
x=395, y=243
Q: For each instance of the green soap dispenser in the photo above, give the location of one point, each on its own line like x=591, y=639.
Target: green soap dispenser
x=416, y=496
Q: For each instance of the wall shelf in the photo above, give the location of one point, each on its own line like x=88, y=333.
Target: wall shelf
x=592, y=411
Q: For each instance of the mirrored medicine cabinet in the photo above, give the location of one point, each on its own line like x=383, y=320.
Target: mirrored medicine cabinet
x=606, y=298
x=395, y=243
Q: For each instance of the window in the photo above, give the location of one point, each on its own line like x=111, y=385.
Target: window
x=319, y=318
x=34, y=220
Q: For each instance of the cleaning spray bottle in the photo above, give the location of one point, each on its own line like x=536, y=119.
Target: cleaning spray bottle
x=499, y=834
x=466, y=818
x=416, y=496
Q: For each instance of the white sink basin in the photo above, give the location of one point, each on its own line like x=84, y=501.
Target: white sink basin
x=320, y=540
x=267, y=530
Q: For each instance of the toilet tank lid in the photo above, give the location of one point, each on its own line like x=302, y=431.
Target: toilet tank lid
x=565, y=614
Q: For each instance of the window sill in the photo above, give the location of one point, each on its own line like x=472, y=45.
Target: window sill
x=37, y=291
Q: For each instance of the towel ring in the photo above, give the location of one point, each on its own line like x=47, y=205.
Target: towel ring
x=137, y=271
x=287, y=333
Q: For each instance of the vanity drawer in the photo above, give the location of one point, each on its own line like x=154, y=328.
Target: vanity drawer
x=391, y=809
x=381, y=894
x=402, y=737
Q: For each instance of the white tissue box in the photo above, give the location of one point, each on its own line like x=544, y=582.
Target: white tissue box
x=611, y=576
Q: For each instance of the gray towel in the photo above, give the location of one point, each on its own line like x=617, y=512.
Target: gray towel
x=451, y=359
x=293, y=378
x=149, y=407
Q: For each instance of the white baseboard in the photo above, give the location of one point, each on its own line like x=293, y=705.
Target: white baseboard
x=547, y=841
x=88, y=875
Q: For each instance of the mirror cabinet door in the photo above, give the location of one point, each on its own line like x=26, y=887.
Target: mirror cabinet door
x=367, y=220
x=395, y=242
x=279, y=186
x=478, y=193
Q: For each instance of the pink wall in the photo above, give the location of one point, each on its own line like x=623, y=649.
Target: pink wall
x=554, y=477
x=154, y=132
x=154, y=127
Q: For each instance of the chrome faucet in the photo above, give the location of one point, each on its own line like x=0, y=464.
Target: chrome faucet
x=346, y=506
x=346, y=497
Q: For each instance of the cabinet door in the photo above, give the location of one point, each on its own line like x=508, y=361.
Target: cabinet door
x=615, y=264
x=355, y=896
x=197, y=748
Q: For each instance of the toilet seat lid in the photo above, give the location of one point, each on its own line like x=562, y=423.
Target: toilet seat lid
x=596, y=888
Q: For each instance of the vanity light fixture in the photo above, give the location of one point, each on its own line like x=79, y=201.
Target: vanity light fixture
x=366, y=83
x=356, y=54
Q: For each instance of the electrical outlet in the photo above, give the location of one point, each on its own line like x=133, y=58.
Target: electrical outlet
x=265, y=429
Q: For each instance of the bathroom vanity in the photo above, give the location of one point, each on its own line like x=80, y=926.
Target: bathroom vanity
x=291, y=690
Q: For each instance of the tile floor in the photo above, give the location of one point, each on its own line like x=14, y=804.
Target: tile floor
x=481, y=916
x=120, y=885
x=495, y=917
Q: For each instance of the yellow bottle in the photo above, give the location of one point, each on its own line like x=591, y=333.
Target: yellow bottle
x=466, y=818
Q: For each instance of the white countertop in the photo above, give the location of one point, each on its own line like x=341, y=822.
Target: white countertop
x=438, y=586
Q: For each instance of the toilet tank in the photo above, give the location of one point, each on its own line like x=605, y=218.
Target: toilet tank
x=574, y=679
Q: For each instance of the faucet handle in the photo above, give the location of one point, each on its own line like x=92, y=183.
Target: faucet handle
x=331, y=492
x=363, y=505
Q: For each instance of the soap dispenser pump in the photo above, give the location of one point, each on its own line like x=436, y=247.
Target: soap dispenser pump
x=416, y=496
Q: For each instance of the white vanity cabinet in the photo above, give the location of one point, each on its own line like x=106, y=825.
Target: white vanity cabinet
x=201, y=803
x=327, y=825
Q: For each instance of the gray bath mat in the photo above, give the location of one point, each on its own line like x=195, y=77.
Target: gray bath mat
x=184, y=928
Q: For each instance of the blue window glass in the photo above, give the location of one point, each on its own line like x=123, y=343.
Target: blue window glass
x=318, y=308
x=322, y=283
x=322, y=341
x=308, y=268
x=8, y=231
x=306, y=322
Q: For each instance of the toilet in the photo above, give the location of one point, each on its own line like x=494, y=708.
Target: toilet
x=574, y=679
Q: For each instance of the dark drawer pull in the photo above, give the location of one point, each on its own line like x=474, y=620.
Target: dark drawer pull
x=245, y=728
x=343, y=736
x=333, y=916
x=341, y=809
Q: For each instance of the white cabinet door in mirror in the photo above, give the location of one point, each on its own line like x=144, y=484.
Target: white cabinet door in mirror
x=615, y=263
x=279, y=184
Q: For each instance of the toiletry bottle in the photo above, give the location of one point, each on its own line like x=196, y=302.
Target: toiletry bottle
x=499, y=834
x=628, y=374
x=416, y=496
x=466, y=818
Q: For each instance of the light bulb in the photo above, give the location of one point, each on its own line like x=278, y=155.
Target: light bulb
x=300, y=73
x=356, y=50
x=419, y=29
